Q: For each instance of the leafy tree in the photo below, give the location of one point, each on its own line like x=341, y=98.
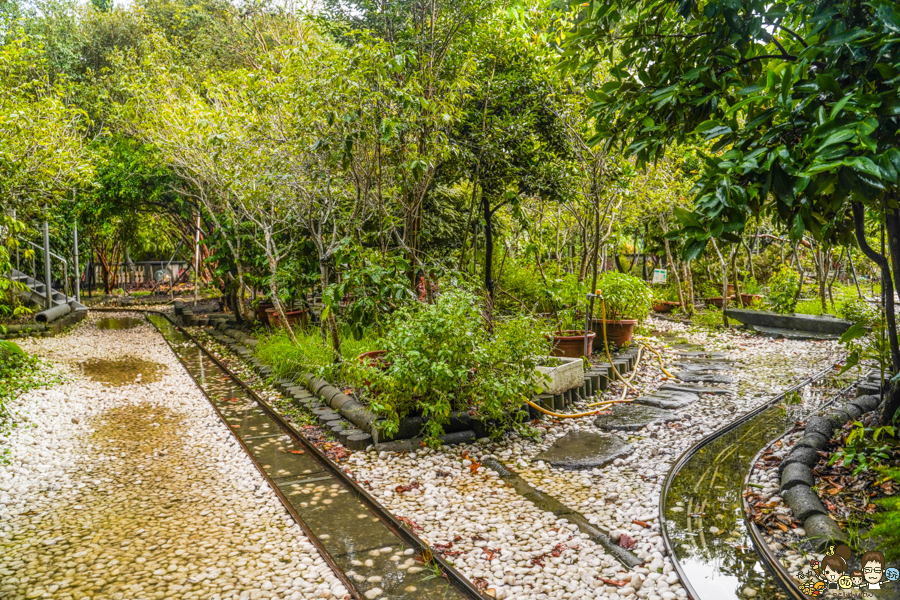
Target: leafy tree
x=797, y=101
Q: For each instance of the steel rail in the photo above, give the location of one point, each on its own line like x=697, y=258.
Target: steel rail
x=689, y=454
x=456, y=579
x=769, y=560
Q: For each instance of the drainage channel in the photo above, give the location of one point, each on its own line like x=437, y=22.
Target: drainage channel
x=701, y=512
x=369, y=550
x=789, y=589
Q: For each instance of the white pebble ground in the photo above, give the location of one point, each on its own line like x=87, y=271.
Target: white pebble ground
x=138, y=491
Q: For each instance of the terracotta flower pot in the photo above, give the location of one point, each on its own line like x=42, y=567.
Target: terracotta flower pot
x=730, y=289
x=618, y=333
x=570, y=343
x=296, y=317
x=747, y=299
x=717, y=301
x=261, y=312
x=374, y=358
x=665, y=306
x=272, y=317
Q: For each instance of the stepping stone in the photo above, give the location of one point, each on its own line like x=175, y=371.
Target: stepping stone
x=631, y=417
x=668, y=400
x=694, y=377
x=585, y=450
x=704, y=366
x=691, y=389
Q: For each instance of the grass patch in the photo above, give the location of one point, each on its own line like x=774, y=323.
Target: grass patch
x=310, y=355
x=19, y=373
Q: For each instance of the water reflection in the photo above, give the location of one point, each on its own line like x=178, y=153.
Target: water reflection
x=704, y=520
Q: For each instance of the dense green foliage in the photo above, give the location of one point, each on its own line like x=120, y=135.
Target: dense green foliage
x=624, y=296
x=783, y=289
x=886, y=531
x=440, y=357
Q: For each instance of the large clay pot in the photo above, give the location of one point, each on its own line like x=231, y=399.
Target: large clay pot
x=747, y=299
x=570, y=344
x=261, y=312
x=296, y=317
x=618, y=333
x=717, y=301
x=665, y=306
x=730, y=289
x=272, y=317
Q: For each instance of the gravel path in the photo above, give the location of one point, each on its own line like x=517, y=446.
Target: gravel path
x=137, y=490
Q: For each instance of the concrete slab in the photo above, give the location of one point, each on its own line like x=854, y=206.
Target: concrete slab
x=584, y=450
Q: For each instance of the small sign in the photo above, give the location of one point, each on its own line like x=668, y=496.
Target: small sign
x=660, y=275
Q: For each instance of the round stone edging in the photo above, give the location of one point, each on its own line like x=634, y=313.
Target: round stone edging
x=797, y=479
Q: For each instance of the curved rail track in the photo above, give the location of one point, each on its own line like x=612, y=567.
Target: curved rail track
x=767, y=557
x=716, y=556
x=369, y=549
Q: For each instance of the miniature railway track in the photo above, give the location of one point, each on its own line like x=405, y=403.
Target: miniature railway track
x=720, y=569
x=769, y=560
x=368, y=548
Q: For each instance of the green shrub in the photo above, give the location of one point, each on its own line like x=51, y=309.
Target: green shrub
x=625, y=296
x=783, y=290
x=854, y=308
x=442, y=358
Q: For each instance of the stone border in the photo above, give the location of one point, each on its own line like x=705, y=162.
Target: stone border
x=357, y=426
x=43, y=329
x=797, y=479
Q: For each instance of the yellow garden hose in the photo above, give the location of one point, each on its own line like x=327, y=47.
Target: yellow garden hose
x=560, y=415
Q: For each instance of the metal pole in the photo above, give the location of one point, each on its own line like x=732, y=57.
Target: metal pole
x=47, y=281
x=197, y=259
x=77, y=267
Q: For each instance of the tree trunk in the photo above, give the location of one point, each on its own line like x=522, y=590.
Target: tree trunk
x=853, y=272
x=488, y=256
x=749, y=259
x=890, y=407
x=273, y=284
x=672, y=265
x=724, y=283
x=689, y=281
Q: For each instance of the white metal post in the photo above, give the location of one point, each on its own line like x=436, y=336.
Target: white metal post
x=47, y=281
x=197, y=260
x=77, y=267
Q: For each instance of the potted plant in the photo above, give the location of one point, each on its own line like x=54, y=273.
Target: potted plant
x=626, y=301
x=665, y=300
x=262, y=306
x=750, y=291
x=709, y=295
x=568, y=339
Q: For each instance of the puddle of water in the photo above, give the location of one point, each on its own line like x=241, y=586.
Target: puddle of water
x=123, y=371
x=359, y=542
x=117, y=323
x=706, y=493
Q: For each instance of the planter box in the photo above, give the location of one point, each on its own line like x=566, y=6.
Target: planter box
x=567, y=375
